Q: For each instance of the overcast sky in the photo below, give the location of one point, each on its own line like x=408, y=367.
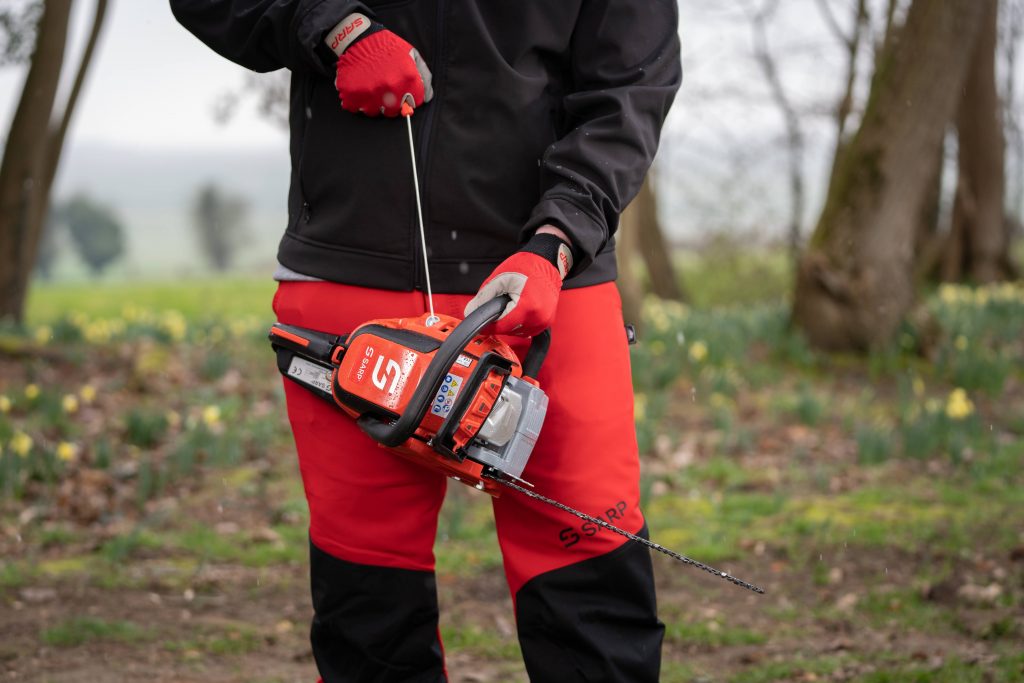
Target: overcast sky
x=152, y=85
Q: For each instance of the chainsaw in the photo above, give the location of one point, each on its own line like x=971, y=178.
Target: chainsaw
x=438, y=394
x=433, y=390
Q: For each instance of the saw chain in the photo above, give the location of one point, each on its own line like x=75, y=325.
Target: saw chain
x=633, y=537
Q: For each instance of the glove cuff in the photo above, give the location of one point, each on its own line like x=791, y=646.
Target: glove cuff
x=553, y=249
x=350, y=29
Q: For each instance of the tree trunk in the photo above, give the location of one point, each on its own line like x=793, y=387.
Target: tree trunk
x=852, y=44
x=855, y=282
x=59, y=132
x=23, y=170
x=654, y=248
x=640, y=237
x=928, y=243
x=978, y=244
x=33, y=153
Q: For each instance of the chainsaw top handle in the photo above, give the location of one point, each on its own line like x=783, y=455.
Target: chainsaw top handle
x=392, y=434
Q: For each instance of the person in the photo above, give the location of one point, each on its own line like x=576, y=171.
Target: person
x=534, y=123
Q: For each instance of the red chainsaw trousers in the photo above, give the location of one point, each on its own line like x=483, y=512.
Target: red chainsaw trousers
x=584, y=601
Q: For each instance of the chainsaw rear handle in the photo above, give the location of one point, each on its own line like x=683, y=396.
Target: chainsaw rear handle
x=537, y=353
x=391, y=434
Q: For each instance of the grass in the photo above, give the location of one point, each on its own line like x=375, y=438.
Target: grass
x=81, y=630
x=466, y=530
x=709, y=634
x=809, y=669
x=233, y=641
x=1008, y=669
x=196, y=299
x=210, y=546
x=724, y=273
x=482, y=642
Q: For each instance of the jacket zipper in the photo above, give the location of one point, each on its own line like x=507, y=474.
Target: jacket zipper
x=419, y=281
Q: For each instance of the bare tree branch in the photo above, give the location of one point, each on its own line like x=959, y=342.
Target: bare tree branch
x=861, y=21
x=55, y=144
x=833, y=24
x=17, y=30
x=791, y=118
x=1013, y=31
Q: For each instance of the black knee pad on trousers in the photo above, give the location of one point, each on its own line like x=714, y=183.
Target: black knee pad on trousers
x=593, y=621
x=374, y=624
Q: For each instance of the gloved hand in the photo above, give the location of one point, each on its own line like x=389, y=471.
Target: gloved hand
x=376, y=69
x=532, y=277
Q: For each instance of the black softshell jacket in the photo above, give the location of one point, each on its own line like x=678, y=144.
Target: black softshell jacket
x=545, y=111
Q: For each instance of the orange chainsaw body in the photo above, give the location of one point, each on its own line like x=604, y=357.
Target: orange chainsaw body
x=382, y=365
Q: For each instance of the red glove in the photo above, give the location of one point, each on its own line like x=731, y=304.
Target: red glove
x=532, y=277
x=376, y=70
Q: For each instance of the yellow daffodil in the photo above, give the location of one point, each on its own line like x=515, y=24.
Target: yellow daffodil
x=175, y=325
x=211, y=415
x=87, y=393
x=949, y=294
x=960, y=343
x=639, y=407
x=69, y=403
x=958, y=406
x=66, y=451
x=918, y=387
x=5, y=404
x=43, y=334
x=21, y=444
x=719, y=400
x=698, y=351
x=32, y=392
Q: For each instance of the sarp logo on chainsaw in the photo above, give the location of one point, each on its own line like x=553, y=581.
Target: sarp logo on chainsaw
x=389, y=375
x=380, y=379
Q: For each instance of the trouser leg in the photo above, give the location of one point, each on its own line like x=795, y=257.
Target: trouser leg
x=584, y=597
x=374, y=623
x=373, y=517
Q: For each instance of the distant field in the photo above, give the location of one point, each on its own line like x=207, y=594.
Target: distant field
x=195, y=299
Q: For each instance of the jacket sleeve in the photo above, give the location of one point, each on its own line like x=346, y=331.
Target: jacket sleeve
x=266, y=35
x=625, y=71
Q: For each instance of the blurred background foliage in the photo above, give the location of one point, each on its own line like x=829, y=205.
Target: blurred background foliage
x=824, y=266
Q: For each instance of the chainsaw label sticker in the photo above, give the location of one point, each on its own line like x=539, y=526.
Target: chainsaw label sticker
x=310, y=373
x=445, y=397
x=464, y=361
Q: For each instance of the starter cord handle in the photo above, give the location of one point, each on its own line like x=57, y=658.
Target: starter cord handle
x=392, y=434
